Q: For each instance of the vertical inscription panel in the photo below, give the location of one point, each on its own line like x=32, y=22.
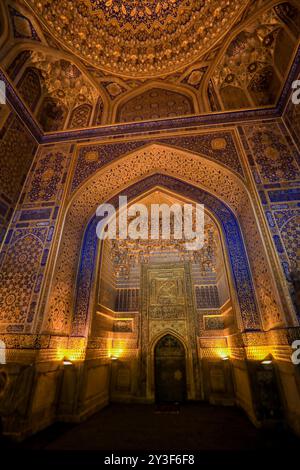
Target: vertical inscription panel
x=166, y=293
x=166, y=306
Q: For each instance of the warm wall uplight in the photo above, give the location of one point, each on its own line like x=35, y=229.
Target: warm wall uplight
x=72, y=354
x=259, y=353
x=115, y=354
x=223, y=354
x=115, y=348
x=267, y=360
x=66, y=362
x=225, y=358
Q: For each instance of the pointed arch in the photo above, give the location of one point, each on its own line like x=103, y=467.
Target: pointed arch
x=165, y=332
x=4, y=25
x=203, y=179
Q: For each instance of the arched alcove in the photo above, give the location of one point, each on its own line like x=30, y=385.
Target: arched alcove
x=155, y=100
x=52, y=114
x=170, y=370
x=112, y=290
x=29, y=87
x=230, y=232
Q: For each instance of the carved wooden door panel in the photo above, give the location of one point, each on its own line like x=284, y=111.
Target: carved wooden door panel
x=170, y=374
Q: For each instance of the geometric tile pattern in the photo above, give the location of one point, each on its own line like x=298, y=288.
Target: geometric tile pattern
x=275, y=159
x=80, y=116
x=154, y=104
x=26, y=248
x=19, y=275
x=290, y=235
x=207, y=297
x=29, y=87
x=214, y=323
x=47, y=176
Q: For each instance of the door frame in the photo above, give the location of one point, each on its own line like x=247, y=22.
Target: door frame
x=182, y=359
x=189, y=369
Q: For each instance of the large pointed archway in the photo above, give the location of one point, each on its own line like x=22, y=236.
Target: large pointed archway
x=241, y=273
x=221, y=189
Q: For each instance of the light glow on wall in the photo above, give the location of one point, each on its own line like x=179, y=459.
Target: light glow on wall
x=72, y=355
x=115, y=348
x=259, y=353
x=224, y=353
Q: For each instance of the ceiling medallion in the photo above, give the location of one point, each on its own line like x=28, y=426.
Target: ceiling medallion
x=135, y=10
x=134, y=38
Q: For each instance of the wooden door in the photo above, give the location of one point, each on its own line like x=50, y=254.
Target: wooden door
x=170, y=373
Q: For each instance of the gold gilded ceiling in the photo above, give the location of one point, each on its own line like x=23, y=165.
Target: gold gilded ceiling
x=134, y=38
x=84, y=63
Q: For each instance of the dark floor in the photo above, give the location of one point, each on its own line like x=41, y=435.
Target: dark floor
x=196, y=428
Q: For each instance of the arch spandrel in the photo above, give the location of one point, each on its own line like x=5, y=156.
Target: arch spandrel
x=211, y=147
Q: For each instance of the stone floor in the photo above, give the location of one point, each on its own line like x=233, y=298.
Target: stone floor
x=195, y=428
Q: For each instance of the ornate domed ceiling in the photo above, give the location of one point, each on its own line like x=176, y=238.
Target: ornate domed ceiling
x=78, y=64
x=134, y=38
